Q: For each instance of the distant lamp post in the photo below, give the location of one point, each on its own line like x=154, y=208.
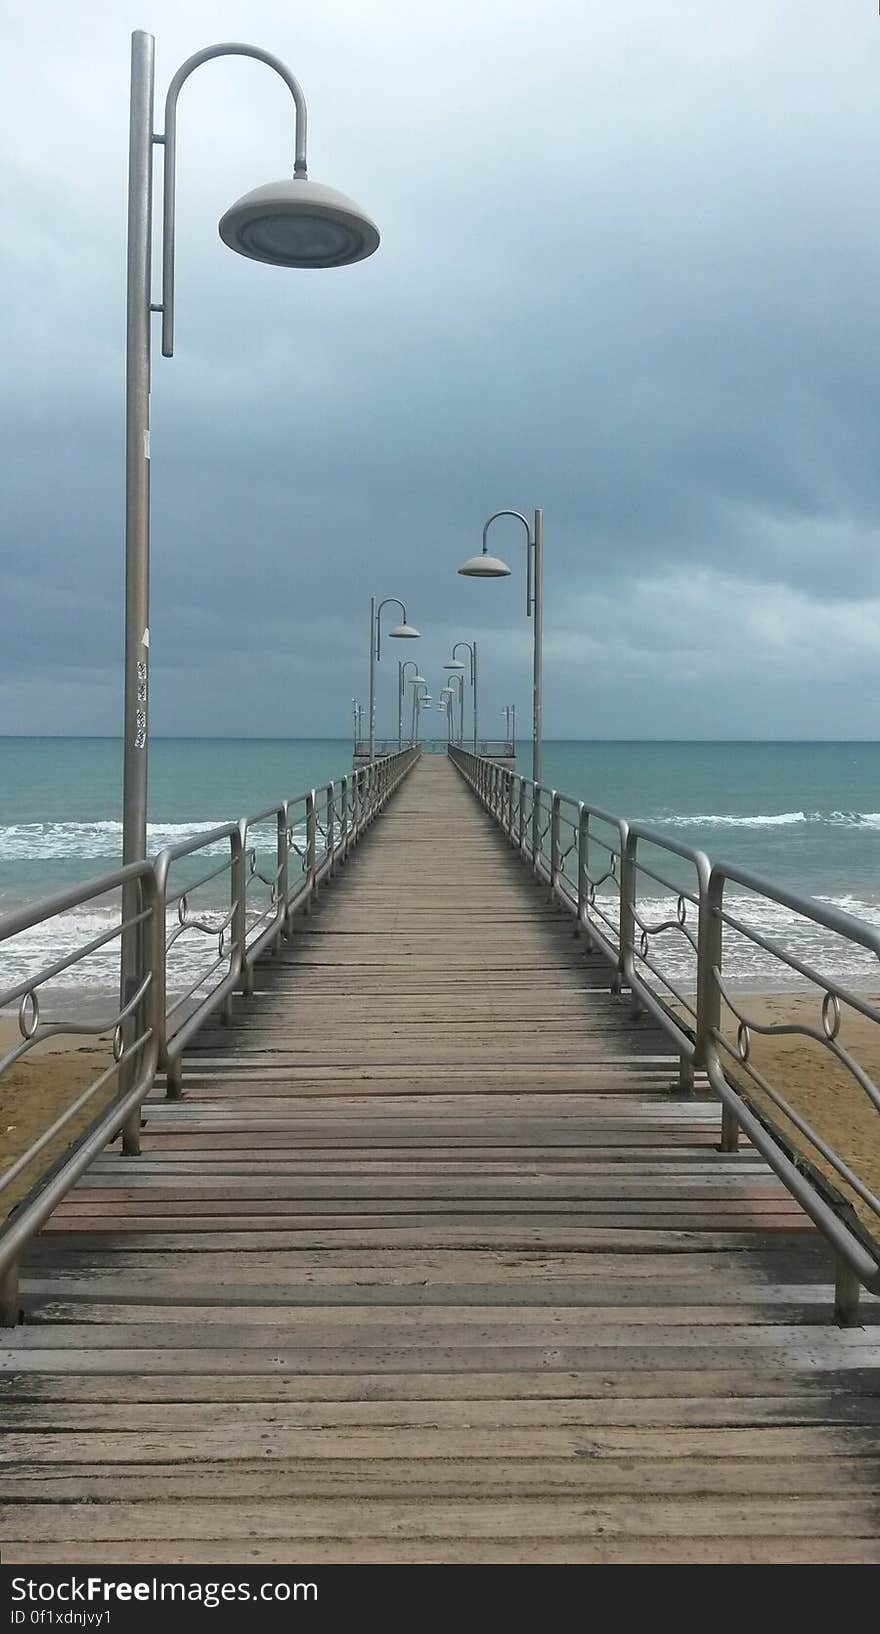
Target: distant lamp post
x=421, y=700
x=457, y=675
x=510, y=725
x=401, y=632
x=454, y=665
x=446, y=705
x=291, y=223
x=402, y=666
x=485, y=566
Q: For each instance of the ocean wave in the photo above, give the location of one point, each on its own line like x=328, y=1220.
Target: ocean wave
x=779, y=819
x=46, y=842
x=745, y=965
x=24, y=956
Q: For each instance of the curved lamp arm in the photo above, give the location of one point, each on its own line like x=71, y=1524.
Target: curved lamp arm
x=389, y=601
x=470, y=651
x=169, y=139
x=530, y=546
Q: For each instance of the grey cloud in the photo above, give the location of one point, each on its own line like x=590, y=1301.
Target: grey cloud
x=628, y=272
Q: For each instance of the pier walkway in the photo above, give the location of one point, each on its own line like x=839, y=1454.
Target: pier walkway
x=434, y=1262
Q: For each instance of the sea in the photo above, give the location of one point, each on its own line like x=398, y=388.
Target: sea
x=803, y=815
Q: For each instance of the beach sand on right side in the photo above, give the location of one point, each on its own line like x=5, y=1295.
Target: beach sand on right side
x=816, y=1085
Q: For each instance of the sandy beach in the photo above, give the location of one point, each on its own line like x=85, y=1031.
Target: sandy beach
x=36, y=1089
x=818, y=1087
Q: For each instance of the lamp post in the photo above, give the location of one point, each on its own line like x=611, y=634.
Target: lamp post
x=419, y=700
x=485, y=566
x=510, y=724
x=456, y=675
x=402, y=667
x=454, y=665
x=404, y=632
x=291, y=223
x=448, y=696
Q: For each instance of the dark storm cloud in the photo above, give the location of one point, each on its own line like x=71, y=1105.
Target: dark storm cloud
x=628, y=272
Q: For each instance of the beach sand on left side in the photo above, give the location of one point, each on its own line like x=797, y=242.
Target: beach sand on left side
x=36, y=1089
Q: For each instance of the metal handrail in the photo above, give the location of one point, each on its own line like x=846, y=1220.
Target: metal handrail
x=151, y=1032
x=620, y=930
x=135, y=1028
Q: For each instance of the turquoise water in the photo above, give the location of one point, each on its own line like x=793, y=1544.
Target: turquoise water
x=806, y=815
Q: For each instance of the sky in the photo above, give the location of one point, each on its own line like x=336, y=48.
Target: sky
x=629, y=272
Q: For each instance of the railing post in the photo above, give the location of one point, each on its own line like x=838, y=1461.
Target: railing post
x=847, y=1293
x=239, y=922
x=343, y=819
x=627, y=920
x=147, y=1016
x=522, y=815
x=282, y=877
x=10, y=1303
x=710, y=943
x=536, y=824
x=554, y=841
x=510, y=778
x=582, y=919
x=311, y=848
x=330, y=840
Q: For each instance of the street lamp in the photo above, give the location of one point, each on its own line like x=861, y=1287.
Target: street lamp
x=485, y=566
x=292, y=223
x=420, y=701
x=401, y=632
x=446, y=698
x=402, y=667
x=457, y=675
x=510, y=724
x=453, y=665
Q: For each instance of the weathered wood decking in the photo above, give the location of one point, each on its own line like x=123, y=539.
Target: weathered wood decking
x=432, y=1264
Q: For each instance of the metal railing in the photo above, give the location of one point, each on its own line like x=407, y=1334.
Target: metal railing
x=496, y=748
x=268, y=868
x=666, y=921
x=383, y=746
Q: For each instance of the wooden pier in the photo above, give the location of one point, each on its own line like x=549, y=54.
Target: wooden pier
x=434, y=1262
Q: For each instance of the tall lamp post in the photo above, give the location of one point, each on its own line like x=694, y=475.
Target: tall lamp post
x=453, y=665
x=485, y=566
x=456, y=675
x=402, y=667
x=289, y=223
x=401, y=632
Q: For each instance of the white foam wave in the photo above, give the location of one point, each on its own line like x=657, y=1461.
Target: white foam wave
x=745, y=965
x=779, y=819
x=41, y=842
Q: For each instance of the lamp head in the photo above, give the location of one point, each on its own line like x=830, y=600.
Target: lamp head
x=404, y=632
x=485, y=567
x=299, y=223
x=454, y=663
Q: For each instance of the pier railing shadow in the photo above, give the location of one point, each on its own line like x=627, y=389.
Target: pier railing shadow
x=672, y=927
x=208, y=910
